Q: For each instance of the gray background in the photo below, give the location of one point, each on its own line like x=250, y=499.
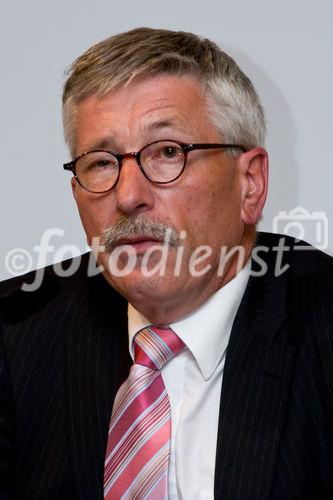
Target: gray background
x=285, y=47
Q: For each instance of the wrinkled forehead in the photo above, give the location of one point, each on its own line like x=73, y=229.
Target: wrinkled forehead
x=103, y=95
x=164, y=106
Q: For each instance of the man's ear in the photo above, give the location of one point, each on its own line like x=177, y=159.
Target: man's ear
x=254, y=181
x=74, y=186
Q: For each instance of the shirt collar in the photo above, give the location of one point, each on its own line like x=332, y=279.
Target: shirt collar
x=206, y=331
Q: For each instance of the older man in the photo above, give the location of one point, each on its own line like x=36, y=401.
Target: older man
x=229, y=394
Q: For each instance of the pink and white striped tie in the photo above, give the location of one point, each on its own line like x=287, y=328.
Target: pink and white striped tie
x=137, y=455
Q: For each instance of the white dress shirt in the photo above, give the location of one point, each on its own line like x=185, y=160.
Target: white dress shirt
x=193, y=380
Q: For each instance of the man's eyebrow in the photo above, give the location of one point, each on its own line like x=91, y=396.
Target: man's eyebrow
x=104, y=143
x=158, y=124
x=162, y=124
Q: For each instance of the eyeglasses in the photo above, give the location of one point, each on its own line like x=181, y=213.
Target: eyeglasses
x=161, y=162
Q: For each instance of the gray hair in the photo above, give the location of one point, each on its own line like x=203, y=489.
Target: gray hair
x=232, y=101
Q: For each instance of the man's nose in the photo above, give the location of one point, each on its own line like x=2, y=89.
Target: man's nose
x=133, y=191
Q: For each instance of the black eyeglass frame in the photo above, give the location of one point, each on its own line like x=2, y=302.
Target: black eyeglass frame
x=186, y=147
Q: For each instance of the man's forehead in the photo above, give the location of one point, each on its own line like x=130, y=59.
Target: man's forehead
x=155, y=106
x=160, y=91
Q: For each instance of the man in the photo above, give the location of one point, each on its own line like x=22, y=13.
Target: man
x=170, y=178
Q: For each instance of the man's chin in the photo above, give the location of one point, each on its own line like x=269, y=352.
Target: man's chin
x=140, y=286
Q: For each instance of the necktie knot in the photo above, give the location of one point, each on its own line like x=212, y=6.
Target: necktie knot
x=154, y=346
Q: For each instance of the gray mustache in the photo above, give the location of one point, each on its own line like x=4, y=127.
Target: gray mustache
x=140, y=225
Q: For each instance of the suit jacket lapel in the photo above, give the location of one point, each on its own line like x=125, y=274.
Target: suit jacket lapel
x=254, y=392
x=97, y=363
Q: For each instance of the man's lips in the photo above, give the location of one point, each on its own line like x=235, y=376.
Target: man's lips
x=138, y=241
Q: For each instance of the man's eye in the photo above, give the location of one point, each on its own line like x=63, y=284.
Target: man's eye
x=101, y=164
x=170, y=152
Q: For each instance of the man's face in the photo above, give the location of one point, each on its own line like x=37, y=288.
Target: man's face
x=205, y=201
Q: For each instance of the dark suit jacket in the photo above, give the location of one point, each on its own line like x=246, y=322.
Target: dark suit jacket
x=63, y=355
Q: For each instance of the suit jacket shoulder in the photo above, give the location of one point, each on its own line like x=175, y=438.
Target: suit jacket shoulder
x=275, y=437
x=63, y=355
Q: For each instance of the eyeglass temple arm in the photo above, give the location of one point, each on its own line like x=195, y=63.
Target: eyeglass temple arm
x=191, y=147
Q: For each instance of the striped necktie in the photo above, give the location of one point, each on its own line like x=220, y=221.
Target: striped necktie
x=137, y=455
